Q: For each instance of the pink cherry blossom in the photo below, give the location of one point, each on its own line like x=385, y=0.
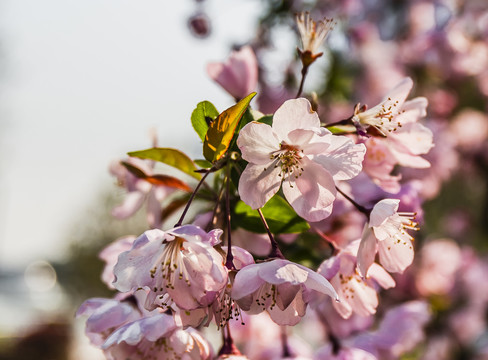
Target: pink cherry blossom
x=312, y=34
x=405, y=139
x=387, y=234
x=239, y=75
x=222, y=309
x=104, y=315
x=356, y=294
x=138, y=192
x=400, y=330
x=297, y=152
x=178, y=265
x=279, y=287
x=155, y=337
x=110, y=254
x=440, y=262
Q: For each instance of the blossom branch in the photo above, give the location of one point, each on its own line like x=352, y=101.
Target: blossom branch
x=304, y=75
x=360, y=208
x=275, y=250
x=180, y=221
x=229, y=263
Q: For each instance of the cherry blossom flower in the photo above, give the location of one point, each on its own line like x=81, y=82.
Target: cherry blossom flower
x=239, y=75
x=356, y=294
x=297, y=152
x=178, y=265
x=110, y=254
x=279, y=287
x=312, y=34
x=156, y=336
x=387, y=233
x=139, y=191
x=388, y=115
x=440, y=262
x=104, y=315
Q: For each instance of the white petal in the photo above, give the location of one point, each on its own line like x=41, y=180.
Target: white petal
x=343, y=159
x=382, y=211
x=294, y=114
x=367, y=252
x=256, y=142
x=312, y=194
x=258, y=184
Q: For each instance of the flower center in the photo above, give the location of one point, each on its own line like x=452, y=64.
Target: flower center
x=384, y=120
x=288, y=158
x=170, y=267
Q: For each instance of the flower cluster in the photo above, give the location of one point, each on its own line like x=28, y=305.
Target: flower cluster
x=306, y=221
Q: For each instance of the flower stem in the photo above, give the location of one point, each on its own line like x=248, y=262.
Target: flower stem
x=228, y=347
x=360, y=208
x=304, y=75
x=192, y=197
x=229, y=263
x=347, y=121
x=275, y=250
x=285, y=349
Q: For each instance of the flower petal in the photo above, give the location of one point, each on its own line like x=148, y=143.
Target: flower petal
x=312, y=194
x=258, y=184
x=395, y=255
x=366, y=252
x=257, y=141
x=294, y=114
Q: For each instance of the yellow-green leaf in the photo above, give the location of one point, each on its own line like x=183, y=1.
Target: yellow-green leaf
x=221, y=131
x=171, y=157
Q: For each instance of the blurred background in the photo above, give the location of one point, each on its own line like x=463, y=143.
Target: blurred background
x=84, y=82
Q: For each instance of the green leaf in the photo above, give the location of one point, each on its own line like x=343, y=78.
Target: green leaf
x=204, y=164
x=280, y=216
x=341, y=129
x=266, y=119
x=221, y=130
x=204, y=113
x=171, y=157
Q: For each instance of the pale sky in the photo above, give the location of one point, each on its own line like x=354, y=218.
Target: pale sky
x=82, y=83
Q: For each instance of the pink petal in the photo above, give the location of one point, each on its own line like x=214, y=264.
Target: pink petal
x=312, y=194
x=343, y=159
x=239, y=75
x=132, y=202
x=294, y=114
x=382, y=211
x=412, y=110
x=378, y=274
x=257, y=141
x=246, y=281
x=258, y=184
x=395, y=256
x=367, y=252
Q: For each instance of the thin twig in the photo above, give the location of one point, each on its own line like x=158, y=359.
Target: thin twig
x=361, y=208
x=275, y=250
x=304, y=75
x=229, y=263
x=192, y=197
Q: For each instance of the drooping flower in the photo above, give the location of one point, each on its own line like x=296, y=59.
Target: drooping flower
x=110, y=254
x=239, y=75
x=356, y=295
x=278, y=286
x=139, y=191
x=312, y=34
x=297, y=152
x=105, y=315
x=178, y=265
x=156, y=336
x=387, y=115
x=387, y=234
